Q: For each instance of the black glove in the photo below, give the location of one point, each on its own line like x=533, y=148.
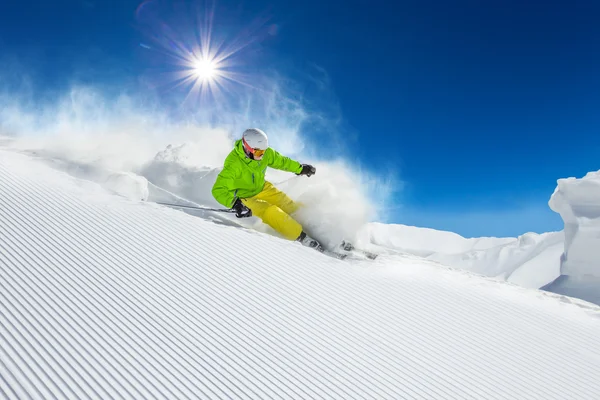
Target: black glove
x=241, y=211
x=307, y=170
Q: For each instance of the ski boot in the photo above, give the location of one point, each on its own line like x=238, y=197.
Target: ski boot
x=310, y=242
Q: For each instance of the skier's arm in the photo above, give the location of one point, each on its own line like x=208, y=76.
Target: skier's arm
x=277, y=161
x=224, y=190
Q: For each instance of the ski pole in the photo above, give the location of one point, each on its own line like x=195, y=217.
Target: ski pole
x=224, y=210
x=285, y=181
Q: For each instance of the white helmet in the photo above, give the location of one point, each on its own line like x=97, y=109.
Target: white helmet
x=255, y=143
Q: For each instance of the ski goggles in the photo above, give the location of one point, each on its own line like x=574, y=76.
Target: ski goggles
x=257, y=153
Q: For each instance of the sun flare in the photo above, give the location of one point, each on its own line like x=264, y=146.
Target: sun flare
x=190, y=55
x=205, y=70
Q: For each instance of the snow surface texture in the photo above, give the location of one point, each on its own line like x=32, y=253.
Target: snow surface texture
x=105, y=297
x=578, y=203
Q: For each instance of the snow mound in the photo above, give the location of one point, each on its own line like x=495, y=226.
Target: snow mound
x=578, y=203
x=425, y=241
x=531, y=260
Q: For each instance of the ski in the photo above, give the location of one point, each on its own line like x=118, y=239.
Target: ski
x=350, y=248
x=353, y=254
x=347, y=251
x=335, y=254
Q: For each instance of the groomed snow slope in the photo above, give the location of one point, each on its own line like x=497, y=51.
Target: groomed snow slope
x=102, y=297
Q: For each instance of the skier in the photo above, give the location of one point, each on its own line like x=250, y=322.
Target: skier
x=241, y=186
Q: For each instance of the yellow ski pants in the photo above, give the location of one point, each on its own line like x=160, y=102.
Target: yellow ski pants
x=274, y=207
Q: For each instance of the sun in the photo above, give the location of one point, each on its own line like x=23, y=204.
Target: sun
x=207, y=66
x=205, y=70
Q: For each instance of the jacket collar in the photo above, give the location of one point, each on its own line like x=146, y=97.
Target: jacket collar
x=239, y=149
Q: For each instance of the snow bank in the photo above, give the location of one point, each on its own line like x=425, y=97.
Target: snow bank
x=425, y=241
x=578, y=203
x=531, y=260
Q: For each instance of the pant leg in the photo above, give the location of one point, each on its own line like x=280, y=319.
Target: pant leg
x=269, y=206
x=274, y=196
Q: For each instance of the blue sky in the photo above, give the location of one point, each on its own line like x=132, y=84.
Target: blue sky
x=478, y=107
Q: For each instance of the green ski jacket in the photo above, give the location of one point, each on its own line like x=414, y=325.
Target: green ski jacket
x=243, y=177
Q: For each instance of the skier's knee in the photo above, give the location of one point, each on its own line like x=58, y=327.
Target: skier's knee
x=282, y=222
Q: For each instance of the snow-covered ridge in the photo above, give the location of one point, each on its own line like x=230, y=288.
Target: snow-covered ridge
x=531, y=260
x=104, y=297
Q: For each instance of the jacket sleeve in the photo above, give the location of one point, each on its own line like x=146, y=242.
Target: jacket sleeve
x=283, y=163
x=224, y=190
